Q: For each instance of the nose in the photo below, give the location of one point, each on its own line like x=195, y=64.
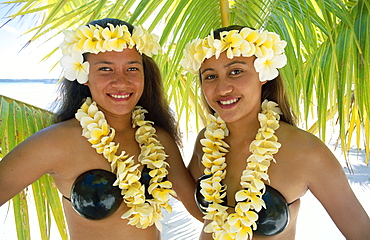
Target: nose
x=224, y=86
x=120, y=80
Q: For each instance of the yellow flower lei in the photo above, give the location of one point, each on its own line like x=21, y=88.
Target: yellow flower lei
x=95, y=39
x=266, y=46
x=249, y=200
x=143, y=212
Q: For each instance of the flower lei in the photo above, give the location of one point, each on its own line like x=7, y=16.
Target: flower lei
x=266, y=46
x=249, y=200
x=95, y=39
x=143, y=212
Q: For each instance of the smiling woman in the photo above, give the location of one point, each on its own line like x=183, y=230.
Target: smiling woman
x=252, y=149
x=105, y=102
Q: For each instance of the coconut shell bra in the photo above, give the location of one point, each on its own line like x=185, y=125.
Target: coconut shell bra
x=94, y=197
x=271, y=221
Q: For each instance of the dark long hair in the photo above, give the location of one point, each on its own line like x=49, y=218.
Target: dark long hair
x=73, y=94
x=272, y=90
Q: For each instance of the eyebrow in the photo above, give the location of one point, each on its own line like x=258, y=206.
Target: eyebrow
x=227, y=65
x=234, y=62
x=107, y=62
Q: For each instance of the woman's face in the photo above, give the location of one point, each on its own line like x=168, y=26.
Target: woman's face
x=116, y=80
x=231, y=87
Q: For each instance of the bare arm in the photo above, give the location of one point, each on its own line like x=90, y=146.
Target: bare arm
x=329, y=184
x=44, y=152
x=181, y=180
x=23, y=165
x=195, y=166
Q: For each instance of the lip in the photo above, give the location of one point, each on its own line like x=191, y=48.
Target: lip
x=120, y=96
x=229, y=102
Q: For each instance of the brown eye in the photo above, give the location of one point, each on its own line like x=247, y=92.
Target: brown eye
x=104, y=69
x=235, y=72
x=209, y=77
x=133, y=69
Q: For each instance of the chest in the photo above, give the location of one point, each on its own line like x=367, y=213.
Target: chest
x=82, y=156
x=284, y=174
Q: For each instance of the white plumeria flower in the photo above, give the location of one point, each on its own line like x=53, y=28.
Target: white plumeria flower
x=95, y=39
x=142, y=213
x=267, y=67
x=75, y=68
x=266, y=46
x=238, y=225
x=145, y=43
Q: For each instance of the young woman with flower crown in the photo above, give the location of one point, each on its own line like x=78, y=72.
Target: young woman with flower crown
x=251, y=162
x=113, y=152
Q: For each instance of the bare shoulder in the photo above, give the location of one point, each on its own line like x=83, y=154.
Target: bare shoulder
x=195, y=166
x=164, y=137
x=56, y=133
x=170, y=146
x=306, y=150
x=50, y=145
x=298, y=139
x=47, y=151
x=198, y=147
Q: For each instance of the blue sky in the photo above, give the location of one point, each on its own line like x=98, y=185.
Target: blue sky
x=24, y=64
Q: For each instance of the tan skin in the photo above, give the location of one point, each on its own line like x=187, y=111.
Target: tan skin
x=61, y=151
x=303, y=162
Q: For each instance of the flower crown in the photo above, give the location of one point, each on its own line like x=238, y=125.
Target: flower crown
x=95, y=39
x=266, y=46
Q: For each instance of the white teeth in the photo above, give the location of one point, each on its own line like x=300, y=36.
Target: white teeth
x=228, y=101
x=120, y=96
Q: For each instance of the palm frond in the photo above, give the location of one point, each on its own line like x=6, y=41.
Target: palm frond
x=17, y=122
x=328, y=40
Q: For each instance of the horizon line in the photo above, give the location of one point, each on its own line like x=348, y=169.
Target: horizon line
x=43, y=80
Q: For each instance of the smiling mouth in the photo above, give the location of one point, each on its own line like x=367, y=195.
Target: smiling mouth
x=120, y=96
x=228, y=102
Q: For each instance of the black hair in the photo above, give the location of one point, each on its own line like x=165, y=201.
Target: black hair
x=272, y=90
x=153, y=99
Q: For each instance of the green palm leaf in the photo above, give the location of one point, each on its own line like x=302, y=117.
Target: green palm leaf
x=328, y=45
x=17, y=122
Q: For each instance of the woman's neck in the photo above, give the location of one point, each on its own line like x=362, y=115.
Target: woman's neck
x=243, y=130
x=119, y=122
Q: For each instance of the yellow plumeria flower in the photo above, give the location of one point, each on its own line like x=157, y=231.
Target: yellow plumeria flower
x=95, y=39
x=143, y=212
x=145, y=43
x=238, y=225
x=248, y=200
x=162, y=194
x=266, y=46
x=232, y=40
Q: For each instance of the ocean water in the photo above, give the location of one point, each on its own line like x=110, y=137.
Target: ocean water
x=39, y=93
